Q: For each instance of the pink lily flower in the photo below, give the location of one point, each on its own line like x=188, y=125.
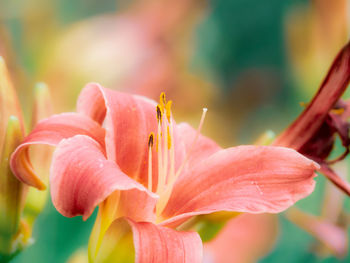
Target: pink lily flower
x=126, y=153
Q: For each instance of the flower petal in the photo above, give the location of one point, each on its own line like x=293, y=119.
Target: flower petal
x=82, y=177
x=129, y=120
x=309, y=122
x=244, y=239
x=135, y=204
x=50, y=132
x=254, y=179
x=159, y=244
x=125, y=240
x=91, y=102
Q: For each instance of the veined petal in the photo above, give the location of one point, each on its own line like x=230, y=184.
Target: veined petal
x=159, y=244
x=137, y=205
x=309, y=122
x=254, y=179
x=129, y=120
x=82, y=177
x=50, y=132
x=126, y=239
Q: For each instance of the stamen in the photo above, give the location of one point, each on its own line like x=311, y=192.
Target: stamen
x=162, y=100
x=159, y=113
x=167, y=192
x=160, y=154
x=172, y=153
x=150, y=146
x=162, y=176
x=168, y=110
x=150, y=140
x=201, y=123
x=169, y=138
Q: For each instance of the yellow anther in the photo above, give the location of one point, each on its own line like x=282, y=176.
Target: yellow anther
x=169, y=138
x=168, y=110
x=162, y=102
x=159, y=113
x=338, y=111
x=162, y=99
x=151, y=140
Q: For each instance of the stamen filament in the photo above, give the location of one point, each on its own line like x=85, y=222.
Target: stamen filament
x=172, y=154
x=150, y=146
x=165, y=195
x=165, y=154
x=150, y=169
x=160, y=155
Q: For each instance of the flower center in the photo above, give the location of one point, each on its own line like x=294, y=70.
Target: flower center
x=166, y=153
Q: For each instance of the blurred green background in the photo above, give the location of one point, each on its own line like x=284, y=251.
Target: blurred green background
x=240, y=47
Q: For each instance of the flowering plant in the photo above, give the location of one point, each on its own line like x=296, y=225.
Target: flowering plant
x=148, y=174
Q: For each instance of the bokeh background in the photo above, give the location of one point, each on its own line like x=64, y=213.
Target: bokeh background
x=251, y=62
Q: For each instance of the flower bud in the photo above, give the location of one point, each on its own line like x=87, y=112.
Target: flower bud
x=9, y=104
x=12, y=191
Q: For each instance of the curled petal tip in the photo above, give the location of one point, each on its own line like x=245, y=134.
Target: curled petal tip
x=50, y=132
x=23, y=170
